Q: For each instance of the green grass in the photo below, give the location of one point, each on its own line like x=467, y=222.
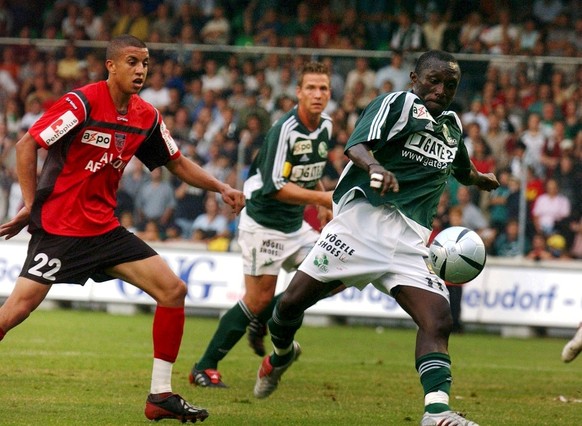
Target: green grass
x=67, y=367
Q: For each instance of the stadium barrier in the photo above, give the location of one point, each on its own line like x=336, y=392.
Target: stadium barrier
x=509, y=292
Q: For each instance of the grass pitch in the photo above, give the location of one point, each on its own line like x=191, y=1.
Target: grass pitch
x=67, y=367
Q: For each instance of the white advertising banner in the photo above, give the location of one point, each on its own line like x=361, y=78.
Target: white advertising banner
x=508, y=292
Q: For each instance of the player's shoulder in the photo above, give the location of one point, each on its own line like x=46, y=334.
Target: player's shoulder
x=454, y=117
x=288, y=120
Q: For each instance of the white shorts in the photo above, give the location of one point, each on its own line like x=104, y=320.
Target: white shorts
x=266, y=251
x=365, y=244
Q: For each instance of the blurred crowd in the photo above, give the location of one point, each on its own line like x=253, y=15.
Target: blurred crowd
x=522, y=118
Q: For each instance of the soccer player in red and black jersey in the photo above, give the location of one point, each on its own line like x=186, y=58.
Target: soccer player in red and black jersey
x=91, y=134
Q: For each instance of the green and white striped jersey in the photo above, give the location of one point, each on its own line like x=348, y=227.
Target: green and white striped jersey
x=421, y=151
x=290, y=153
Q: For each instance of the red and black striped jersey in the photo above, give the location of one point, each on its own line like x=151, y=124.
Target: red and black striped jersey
x=89, y=144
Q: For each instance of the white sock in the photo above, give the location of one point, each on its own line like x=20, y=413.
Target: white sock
x=283, y=352
x=161, y=376
x=438, y=397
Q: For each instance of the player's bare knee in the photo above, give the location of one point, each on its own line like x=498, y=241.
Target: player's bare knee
x=173, y=294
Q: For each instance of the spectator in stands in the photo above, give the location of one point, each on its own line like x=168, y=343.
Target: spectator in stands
x=507, y=242
x=434, y=29
x=211, y=79
x=498, y=141
x=473, y=218
x=163, y=22
x=572, y=120
x=69, y=66
x=475, y=114
x=71, y=20
x=6, y=19
x=528, y=36
x=211, y=224
x=497, y=203
x=408, y=35
x=353, y=28
x=286, y=83
x=539, y=250
x=546, y=11
x=156, y=92
x=362, y=72
x=502, y=32
x=393, y=72
x=132, y=21
x=534, y=141
x=155, y=201
x=217, y=29
x=189, y=205
x=325, y=29
x=268, y=28
x=550, y=208
x=33, y=111
x=568, y=175
x=471, y=29
x=560, y=35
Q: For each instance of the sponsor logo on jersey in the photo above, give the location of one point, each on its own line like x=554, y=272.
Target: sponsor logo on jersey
x=302, y=147
x=71, y=102
x=98, y=139
x=429, y=150
x=420, y=111
x=322, y=149
x=168, y=139
x=59, y=128
x=119, y=141
x=307, y=172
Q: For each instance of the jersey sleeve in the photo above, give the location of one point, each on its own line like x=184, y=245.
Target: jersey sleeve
x=273, y=164
x=384, y=118
x=59, y=120
x=159, y=147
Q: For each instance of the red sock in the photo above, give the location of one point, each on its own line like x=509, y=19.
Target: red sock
x=167, y=332
x=2, y=334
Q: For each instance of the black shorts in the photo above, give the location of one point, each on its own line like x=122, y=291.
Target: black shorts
x=53, y=259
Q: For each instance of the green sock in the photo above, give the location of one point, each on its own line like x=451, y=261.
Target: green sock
x=231, y=329
x=434, y=370
x=282, y=334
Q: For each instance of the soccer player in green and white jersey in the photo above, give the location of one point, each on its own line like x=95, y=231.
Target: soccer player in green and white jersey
x=283, y=178
x=402, y=150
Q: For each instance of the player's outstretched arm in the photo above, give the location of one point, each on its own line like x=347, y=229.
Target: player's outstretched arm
x=483, y=181
x=26, y=163
x=291, y=193
x=194, y=175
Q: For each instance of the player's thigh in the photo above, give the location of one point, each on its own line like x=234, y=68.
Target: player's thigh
x=429, y=310
x=155, y=277
x=26, y=296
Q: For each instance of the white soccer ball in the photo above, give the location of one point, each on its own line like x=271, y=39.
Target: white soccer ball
x=457, y=254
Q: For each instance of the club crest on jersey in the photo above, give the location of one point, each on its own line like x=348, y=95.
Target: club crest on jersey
x=420, y=112
x=302, y=147
x=119, y=141
x=98, y=139
x=59, y=128
x=447, y=134
x=322, y=149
